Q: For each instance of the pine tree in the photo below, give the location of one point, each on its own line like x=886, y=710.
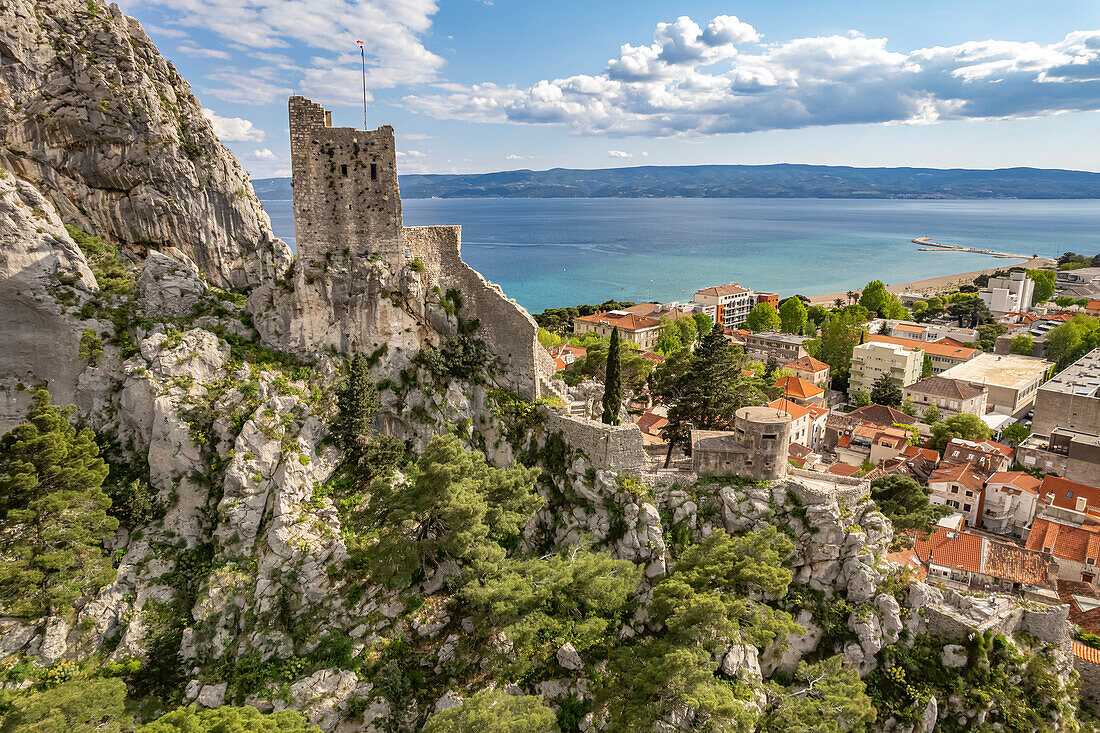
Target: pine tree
x=53, y=513
x=886, y=391
x=711, y=389
x=613, y=382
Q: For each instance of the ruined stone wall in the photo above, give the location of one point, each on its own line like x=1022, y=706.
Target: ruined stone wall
x=506, y=328
x=1090, y=679
x=613, y=447
x=345, y=187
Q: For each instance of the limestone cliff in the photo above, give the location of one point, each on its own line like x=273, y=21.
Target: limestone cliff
x=108, y=130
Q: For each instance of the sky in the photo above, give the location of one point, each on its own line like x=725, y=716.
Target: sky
x=489, y=85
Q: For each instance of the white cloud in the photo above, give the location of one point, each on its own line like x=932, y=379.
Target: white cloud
x=202, y=53
x=246, y=86
x=722, y=78
x=619, y=154
x=513, y=156
x=264, y=154
x=391, y=30
x=411, y=154
x=234, y=129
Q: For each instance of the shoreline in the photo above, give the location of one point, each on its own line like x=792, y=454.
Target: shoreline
x=932, y=285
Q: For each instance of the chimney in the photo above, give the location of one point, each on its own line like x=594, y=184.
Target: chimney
x=1082, y=502
x=1049, y=498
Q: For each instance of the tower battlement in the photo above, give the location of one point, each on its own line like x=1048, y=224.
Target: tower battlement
x=346, y=195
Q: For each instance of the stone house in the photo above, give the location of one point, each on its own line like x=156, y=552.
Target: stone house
x=1010, y=504
x=960, y=487
x=967, y=560
x=950, y=396
x=810, y=369
x=838, y=423
x=1071, y=539
x=640, y=330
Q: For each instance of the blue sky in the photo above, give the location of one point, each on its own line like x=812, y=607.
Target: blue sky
x=485, y=85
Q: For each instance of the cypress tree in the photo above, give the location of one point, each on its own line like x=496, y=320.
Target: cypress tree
x=613, y=382
x=357, y=402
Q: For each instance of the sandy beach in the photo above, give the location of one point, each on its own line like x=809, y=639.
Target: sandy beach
x=933, y=285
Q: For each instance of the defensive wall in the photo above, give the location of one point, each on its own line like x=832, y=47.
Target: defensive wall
x=616, y=448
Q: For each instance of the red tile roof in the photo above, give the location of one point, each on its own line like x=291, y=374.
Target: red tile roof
x=800, y=388
x=911, y=451
x=651, y=424
x=843, y=469
x=910, y=328
x=806, y=364
x=948, y=341
x=1019, y=479
x=961, y=473
x=1086, y=652
x=652, y=356
x=951, y=549
x=931, y=348
x=795, y=410
x=731, y=289
x=1065, y=541
x=624, y=321
x=1009, y=562
x=1066, y=493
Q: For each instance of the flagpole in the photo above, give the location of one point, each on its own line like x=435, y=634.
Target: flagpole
x=363, y=56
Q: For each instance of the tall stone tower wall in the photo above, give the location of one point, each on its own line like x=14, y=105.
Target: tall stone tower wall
x=346, y=195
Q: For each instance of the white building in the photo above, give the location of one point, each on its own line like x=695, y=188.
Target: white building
x=1011, y=294
x=871, y=360
x=1011, y=503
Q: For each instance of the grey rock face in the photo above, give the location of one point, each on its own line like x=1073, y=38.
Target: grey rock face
x=568, y=657
x=93, y=115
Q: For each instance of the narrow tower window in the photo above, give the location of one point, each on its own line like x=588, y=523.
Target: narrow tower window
x=343, y=170
x=374, y=171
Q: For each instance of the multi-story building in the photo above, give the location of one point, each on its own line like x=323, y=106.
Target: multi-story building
x=1071, y=399
x=782, y=347
x=950, y=396
x=960, y=487
x=871, y=444
x=671, y=311
x=1009, y=294
x=941, y=354
x=871, y=360
x=928, y=332
x=640, y=330
x=1071, y=539
x=810, y=369
x=968, y=560
x=807, y=422
x=1011, y=381
x=1011, y=503
x=731, y=303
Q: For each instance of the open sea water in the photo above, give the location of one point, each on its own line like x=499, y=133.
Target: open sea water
x=549, y=253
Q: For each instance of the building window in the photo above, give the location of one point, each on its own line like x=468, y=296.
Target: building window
x=374, y=171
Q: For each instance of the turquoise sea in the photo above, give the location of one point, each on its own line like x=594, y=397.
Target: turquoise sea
x=557, y=252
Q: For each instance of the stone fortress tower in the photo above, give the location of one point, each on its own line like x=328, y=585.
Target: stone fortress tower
x=756, y=447
x=345, y=186
x=355, y=256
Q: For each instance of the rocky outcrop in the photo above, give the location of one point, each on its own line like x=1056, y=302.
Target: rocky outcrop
x=40, y=266
x=108, y=130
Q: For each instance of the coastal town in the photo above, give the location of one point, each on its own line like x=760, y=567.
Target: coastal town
x=986, y=395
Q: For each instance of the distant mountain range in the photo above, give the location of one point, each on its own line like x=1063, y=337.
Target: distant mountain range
x=743, y=181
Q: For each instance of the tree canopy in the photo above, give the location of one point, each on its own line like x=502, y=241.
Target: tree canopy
x=886, y=391
x=840, y=335
x=964, y=425
x=905, y=503
x=1067, y=342
x=613, y=381
x=495, y=711
x=762, y=317
x=1023, y=345
x=76, y=706
x=228, y=719
x=455, y=506
x=1044, y=285
x=53, y=513
x=793, y=316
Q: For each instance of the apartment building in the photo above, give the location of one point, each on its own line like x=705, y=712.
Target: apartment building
x=950, y=396
x=731, y=303
x=1009, y=294
x=807, y=422
x=942, y=355
x=1069, y=453
x=872, y=359
x=1070, y=399
x=782, y=347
